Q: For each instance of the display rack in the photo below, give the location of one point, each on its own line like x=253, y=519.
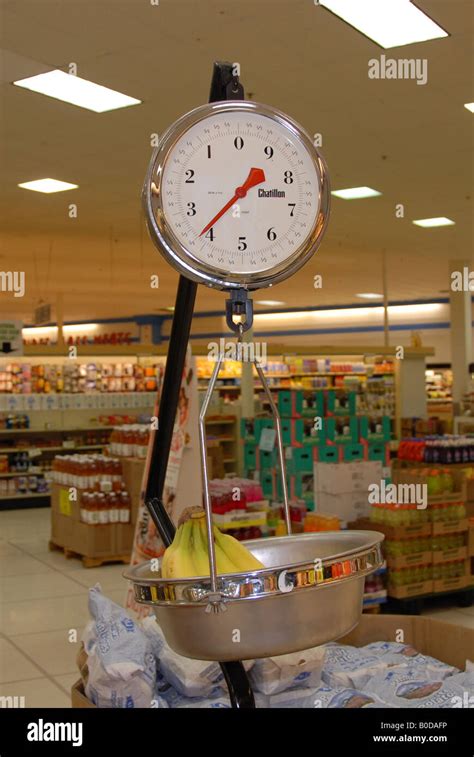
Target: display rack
x=374, y=379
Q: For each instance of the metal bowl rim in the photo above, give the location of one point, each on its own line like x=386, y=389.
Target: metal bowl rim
x=376, y=538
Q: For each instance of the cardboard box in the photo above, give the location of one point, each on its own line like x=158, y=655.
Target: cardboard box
x=352, y=452
x=470, y=541
x=454, y=584
x=449, y=555
x=446, y=527
x=392, y=532
x=410, y=590
x=447, y=642
x=78, y=697
x=340, y=478
x=70, y=533
x=342, y=429
x=290, y=403
x=326, y=453
x=348, y=506
x=132, y=472
x=408, y=561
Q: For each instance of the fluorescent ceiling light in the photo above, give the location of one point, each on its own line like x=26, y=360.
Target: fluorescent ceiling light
x=370, y=296
x=429, y=223
x=390, y=23
x=270, y=303
x=72, y=328
x=356, y=193
x=372, y=315
x=48, y=186
x=77, y=91
x=469, y=106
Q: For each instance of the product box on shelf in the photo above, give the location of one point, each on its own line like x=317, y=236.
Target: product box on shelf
x=377, y=451
x=352, y=452
x=374, y=429
x=340, y=402
x=406, y=591
x=266, y=460
x=312, y=434
x=347, y=506
x=290, y=403
x=452, y=526
x=342, y=429
x=250, y=456
x=132, y=472
x=299, y=460
x=92, y=541
x=292, y=431
x=339, y=478
x=326, y=453
x=455, y=582
x=449, y=555
x=313, y=404
x=408, y=561
x=267, y=482
x=470, y=542
x=393, y=532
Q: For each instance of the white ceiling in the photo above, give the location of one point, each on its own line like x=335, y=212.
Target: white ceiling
x=413, y=143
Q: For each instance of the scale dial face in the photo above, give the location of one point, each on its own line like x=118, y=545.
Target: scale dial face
x=236, y=195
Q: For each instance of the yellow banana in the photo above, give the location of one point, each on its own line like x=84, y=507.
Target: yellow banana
x=201, y=552
x=169, y=550
x=223, y=564
x=236, y=552
x=180, y=563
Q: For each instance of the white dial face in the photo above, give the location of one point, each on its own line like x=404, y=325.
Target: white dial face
x=241, y=192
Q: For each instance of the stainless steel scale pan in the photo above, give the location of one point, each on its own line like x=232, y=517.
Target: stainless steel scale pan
x=310, y=593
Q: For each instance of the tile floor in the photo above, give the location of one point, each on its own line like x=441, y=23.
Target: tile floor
x=43, y=597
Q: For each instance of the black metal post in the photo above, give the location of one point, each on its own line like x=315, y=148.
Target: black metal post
x=225, y=85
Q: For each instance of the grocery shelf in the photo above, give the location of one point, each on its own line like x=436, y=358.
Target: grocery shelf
x=15, y=474
x=4, y=431
x=12, y=450
x=214, y=422
x=31, y=495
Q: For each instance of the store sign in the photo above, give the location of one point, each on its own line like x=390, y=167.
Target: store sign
x=11, y=342
x=42, y=314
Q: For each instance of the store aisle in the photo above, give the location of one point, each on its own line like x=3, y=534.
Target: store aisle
x=43, y=598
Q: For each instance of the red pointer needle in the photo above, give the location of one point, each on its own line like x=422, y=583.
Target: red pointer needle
x=256, y=176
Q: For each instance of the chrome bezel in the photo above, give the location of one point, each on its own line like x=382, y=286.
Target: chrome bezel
x=183, y=259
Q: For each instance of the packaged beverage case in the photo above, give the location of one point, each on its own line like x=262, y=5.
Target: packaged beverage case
x=447, y=449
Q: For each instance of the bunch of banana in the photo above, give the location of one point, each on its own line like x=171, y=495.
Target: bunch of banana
x=188, y=555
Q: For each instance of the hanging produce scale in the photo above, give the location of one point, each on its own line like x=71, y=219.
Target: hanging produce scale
x=237, y=198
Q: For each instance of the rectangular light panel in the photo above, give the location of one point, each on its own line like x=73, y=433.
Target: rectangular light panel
x=76, y=91
x=389, y=23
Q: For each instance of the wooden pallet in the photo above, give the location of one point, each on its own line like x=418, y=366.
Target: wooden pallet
x=89, y=562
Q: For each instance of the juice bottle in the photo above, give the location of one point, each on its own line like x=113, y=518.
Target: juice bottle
x=102, y=508
x=94, y=508
x=84, y=507
x=125, y=507
x=113, y=505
